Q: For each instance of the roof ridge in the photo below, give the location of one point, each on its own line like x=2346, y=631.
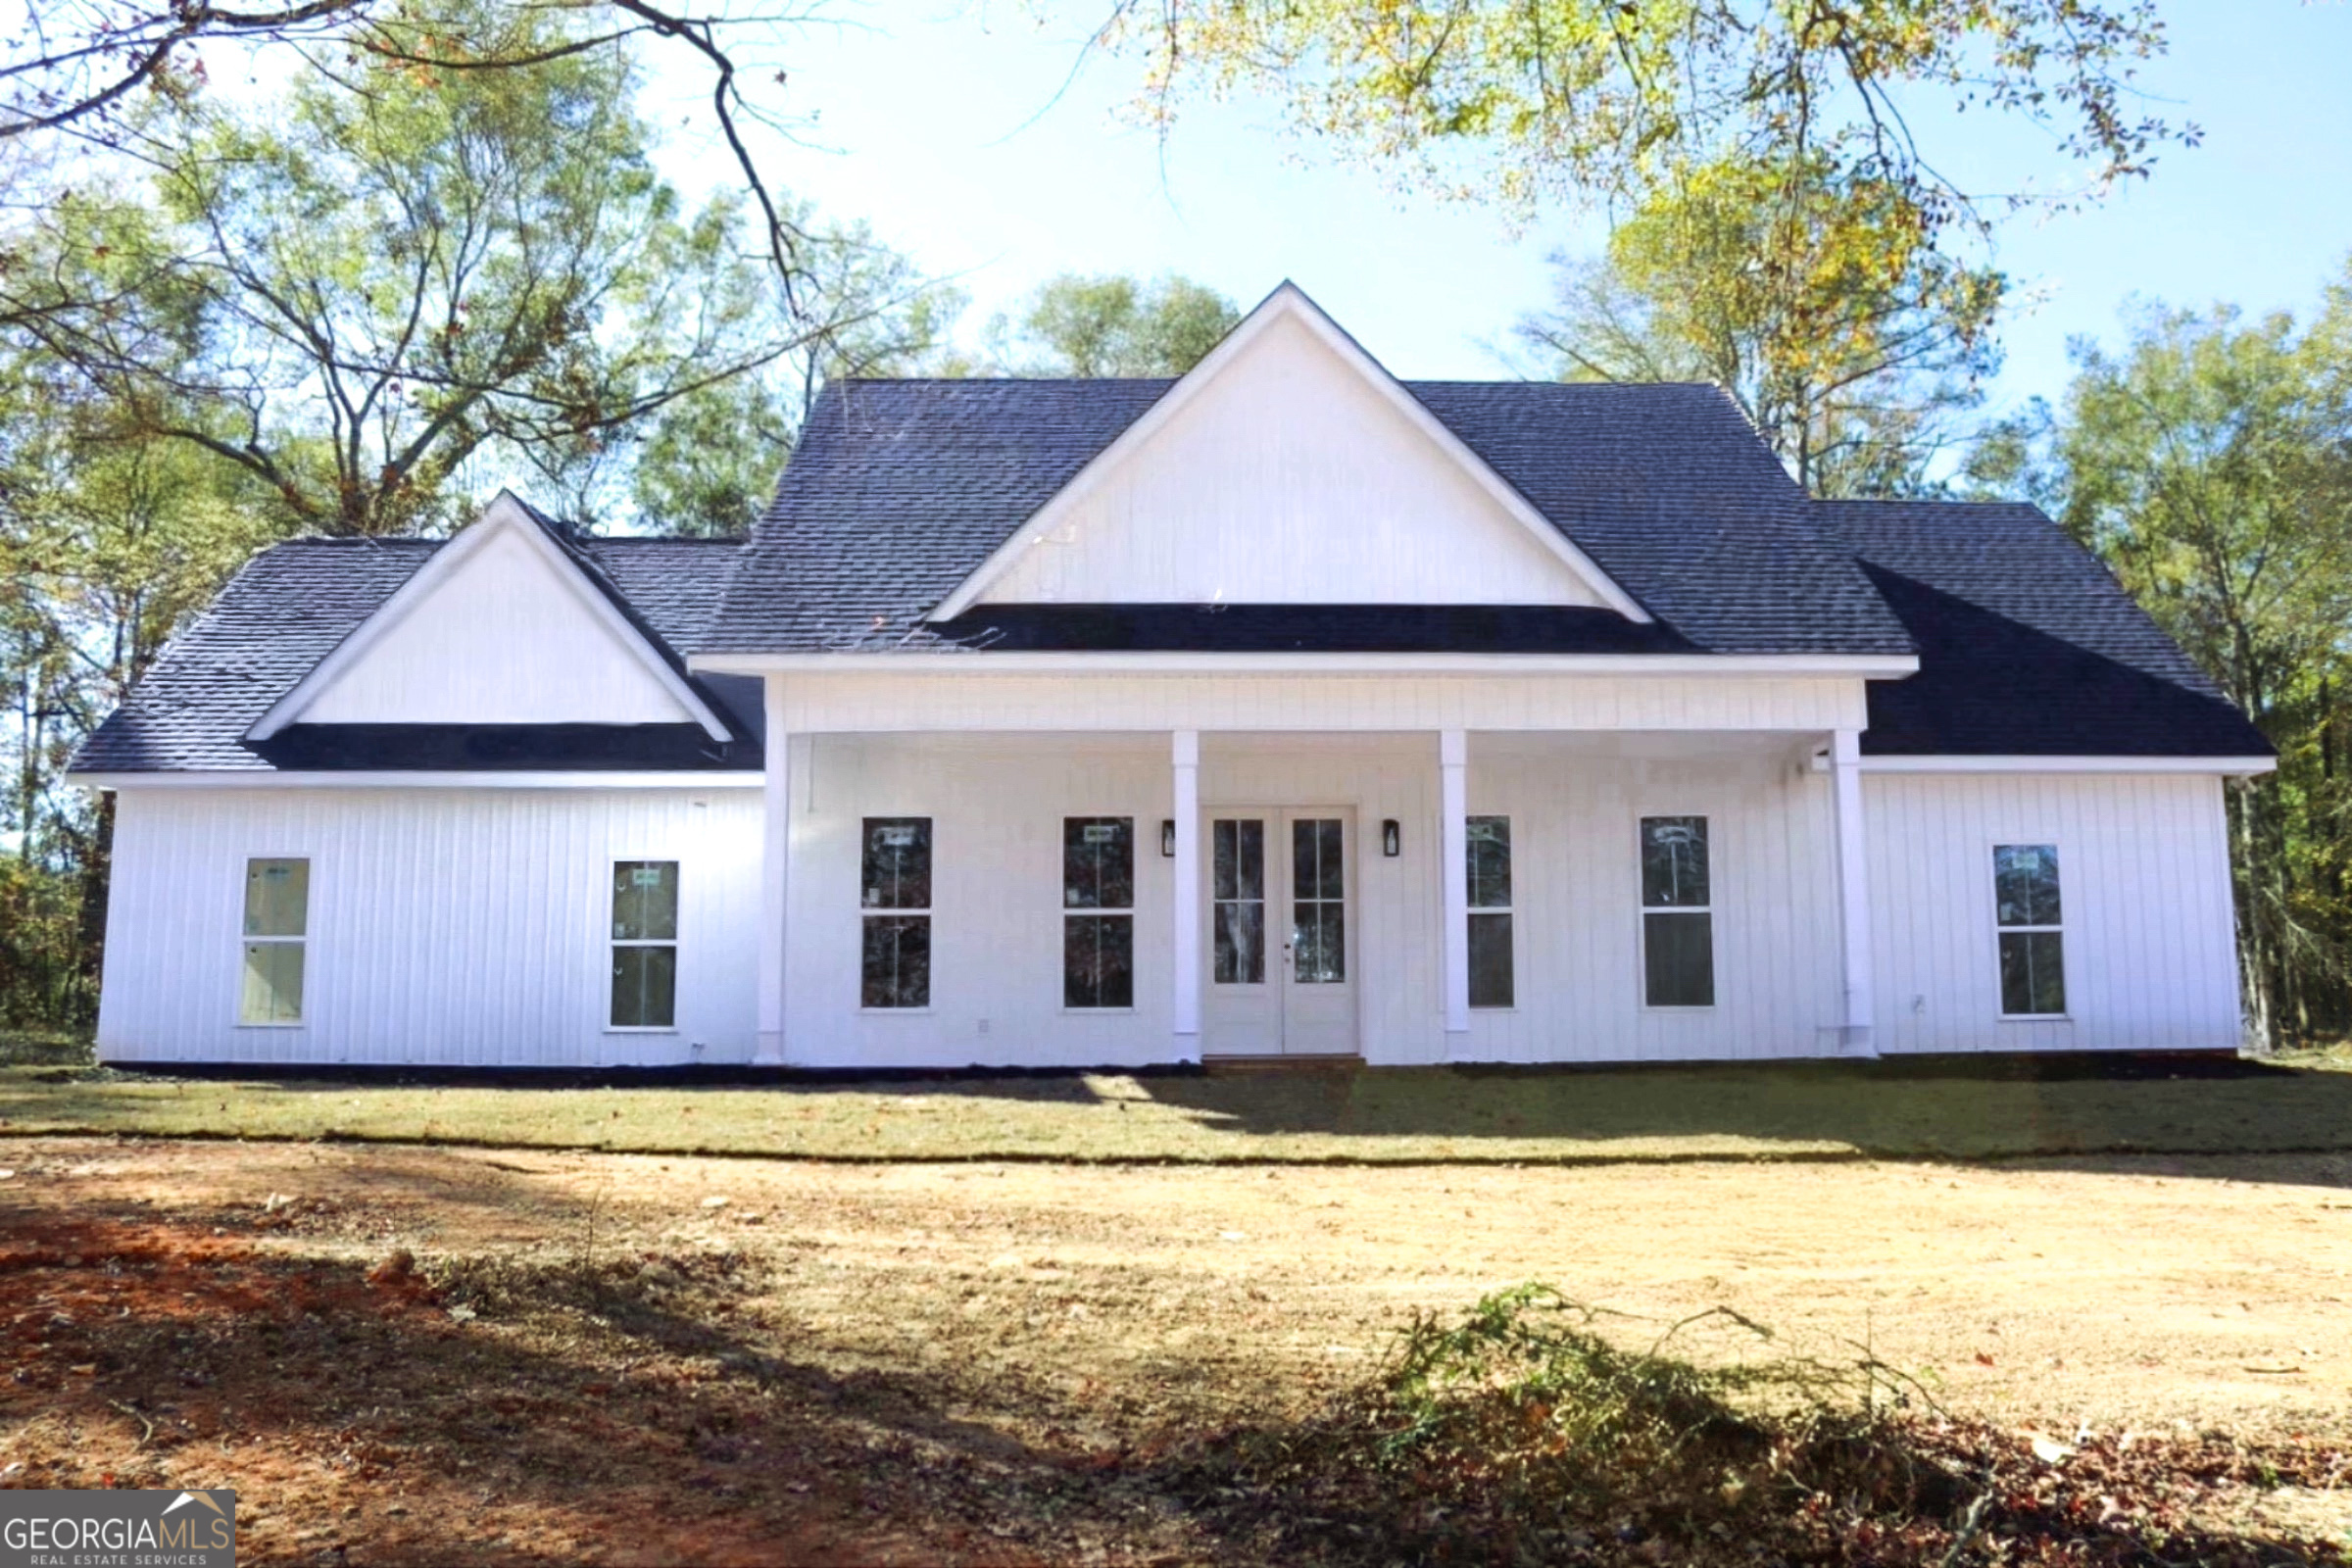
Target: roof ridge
x=1954, y=502
x=1003, y=381
x=1162, y=380
x=421, y=541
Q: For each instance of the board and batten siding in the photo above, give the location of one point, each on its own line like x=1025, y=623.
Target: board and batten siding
x=447, y=927
x=1577, y=905
x=469, y=927
x=2143, y=864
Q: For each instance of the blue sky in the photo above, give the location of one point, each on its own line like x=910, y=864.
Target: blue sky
x=939, y=123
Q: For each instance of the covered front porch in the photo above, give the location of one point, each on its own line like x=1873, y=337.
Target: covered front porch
x=1309, y=881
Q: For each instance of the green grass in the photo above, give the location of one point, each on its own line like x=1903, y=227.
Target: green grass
x=1992, y=1109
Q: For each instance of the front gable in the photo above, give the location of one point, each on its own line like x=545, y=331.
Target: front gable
x=1289, y=469
x=500, y=627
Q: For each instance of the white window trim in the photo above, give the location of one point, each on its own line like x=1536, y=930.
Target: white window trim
x=1471, y=912
x=676, y=944
x=2066, y=962
x=1643, y=910
x=928, y=912
x=1061, y=874
x=303, y=941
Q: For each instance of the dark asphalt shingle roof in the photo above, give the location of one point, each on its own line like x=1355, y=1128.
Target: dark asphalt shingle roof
x=2027, y=645
x=899, y=490
x=293, y=602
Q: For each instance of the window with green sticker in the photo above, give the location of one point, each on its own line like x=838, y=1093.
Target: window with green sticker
x=645, y=945
x=276, y=930
x=2031, y=930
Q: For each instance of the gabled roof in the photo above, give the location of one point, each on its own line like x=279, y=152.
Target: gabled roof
x=621, y=625
x=294, y=603
x=1288, y=306
x=899, y=491
x=2027, y=645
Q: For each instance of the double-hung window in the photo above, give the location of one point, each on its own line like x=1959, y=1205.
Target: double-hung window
x=1489, y=873
x=645, y=945
x=278, y=917
x=895, y=896
x=1678, y=919
x=2031, y=930
x=1098, y=903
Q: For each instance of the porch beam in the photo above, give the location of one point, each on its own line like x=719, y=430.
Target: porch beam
x=1185, y=903
x=1853, y=893
x=775, y=867
x=1453, y=839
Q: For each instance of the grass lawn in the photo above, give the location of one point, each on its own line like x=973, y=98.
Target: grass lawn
x=1986, y=1109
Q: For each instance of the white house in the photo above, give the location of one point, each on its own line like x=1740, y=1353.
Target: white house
x=1285, y=708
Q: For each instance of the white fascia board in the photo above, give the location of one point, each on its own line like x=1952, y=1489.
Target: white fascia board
x=504, y=513
x=2232, y=767
x=1755, y=666
x=234, y=779
x=1289, y=301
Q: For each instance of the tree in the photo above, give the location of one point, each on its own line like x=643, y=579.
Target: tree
x=1613, y=103
x=108, y=542
x=707, y=463
x=83, y=69
x=1076, y=325
x=1852, y=351
x=352, y=295
x=2209, y=463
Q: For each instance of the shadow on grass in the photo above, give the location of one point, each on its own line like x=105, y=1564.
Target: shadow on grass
x=2054, y=1108
x=2058, y=1108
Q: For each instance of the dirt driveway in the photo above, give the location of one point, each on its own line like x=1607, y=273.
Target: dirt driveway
x=628, y=1358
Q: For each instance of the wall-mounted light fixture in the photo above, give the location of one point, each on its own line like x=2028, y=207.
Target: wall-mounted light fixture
x=1392, y=841
x=1167, y=837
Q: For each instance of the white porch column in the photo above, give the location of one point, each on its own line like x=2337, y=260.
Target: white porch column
x=1853, y=892
x=1454, y=841
x=1185, y=754
x=775, y=866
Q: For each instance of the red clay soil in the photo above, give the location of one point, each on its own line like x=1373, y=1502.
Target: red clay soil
x=148, y=1356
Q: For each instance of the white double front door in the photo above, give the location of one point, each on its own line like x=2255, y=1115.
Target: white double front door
x=1280, y=942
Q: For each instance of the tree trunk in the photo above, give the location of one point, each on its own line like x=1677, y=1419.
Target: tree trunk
x=2254, y=956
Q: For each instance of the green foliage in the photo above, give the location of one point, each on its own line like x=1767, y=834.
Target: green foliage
x=1522, y=1384
x=1606, y=103
x=706, y=463
x=46, y=981
x=2209, y=463
x=1113, y=325
x=372, y=290
x=1852, y=347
